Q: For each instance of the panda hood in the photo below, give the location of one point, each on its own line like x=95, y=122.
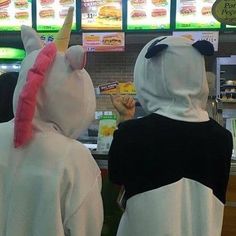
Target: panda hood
x=170, y=78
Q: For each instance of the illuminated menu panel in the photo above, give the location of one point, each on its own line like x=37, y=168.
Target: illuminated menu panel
x=15, y=13
x=148, y=14
x=230, y=26
x=101, y=14
x=50, y=14
x=104, y=42
x=195, y=14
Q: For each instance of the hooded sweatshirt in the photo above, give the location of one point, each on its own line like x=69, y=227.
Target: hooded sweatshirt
x=174, y=163
x=49, y=182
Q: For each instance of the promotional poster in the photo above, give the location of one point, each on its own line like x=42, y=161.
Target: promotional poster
x=104, y=42
x=50, y=14
x=101, y=14
x=148, y=14
x=195, y=14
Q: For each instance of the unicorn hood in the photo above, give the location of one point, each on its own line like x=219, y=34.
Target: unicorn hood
x=170, y=78
x=54, y=91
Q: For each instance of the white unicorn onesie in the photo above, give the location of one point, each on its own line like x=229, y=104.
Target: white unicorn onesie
x=49, y=182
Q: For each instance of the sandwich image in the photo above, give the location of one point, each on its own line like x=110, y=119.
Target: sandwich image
x=188, y=10
x=46, y=2
x=47, y=13
x=107, y=12
x=159, y=2
x=4, y=15
x=21, y=4
x=22, y=15
x=159, y=12
x=4, y=3
x=206, y=11
x=138, y=14
x=113, y=39
x=138, y=2
x=66, y=2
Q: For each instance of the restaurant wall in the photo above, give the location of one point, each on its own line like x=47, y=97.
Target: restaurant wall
x=118, y=66
x=106, y=67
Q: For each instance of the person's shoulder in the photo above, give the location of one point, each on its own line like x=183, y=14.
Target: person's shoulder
x=133, y=123
x=79, y=155
x=220, y=130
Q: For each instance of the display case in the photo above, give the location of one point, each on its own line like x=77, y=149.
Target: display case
x=226, y=80
x=226, y=94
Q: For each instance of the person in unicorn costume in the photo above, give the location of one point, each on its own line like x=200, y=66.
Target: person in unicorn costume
x=174, y=162
x=49, y=182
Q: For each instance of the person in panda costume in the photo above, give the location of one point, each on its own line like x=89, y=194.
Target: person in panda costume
x=49, y=182
x=174, y=162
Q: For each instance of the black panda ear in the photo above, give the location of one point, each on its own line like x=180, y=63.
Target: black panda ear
x=155, y=48
x=204, y=47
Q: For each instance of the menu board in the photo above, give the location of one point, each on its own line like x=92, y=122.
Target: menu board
x=14, y=13
x=12, y=53
x=230, y=26
x=195, y=14
x=50, y=14
x=104, y=42
x=148, y=14
x=101, y=14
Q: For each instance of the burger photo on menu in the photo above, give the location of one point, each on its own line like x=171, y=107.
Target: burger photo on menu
x=46, y=2
x=4, y=15
x=22, y=15
x=138, y=2
x=159, y=12
x=187, y=10
x=47, y=13
x=113, y=39
x=138, y=14
x=159, y=2
x=4, y=3
x=21, y=4
x=206, y=11
x=66, y=2
x=109, y=13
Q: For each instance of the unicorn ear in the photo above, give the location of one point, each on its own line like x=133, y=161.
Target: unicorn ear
x=76, y=56
x=30, y=39
x=204, y=47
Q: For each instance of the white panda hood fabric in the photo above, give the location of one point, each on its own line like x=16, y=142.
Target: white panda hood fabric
x=49, y=182
x=159, y=81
